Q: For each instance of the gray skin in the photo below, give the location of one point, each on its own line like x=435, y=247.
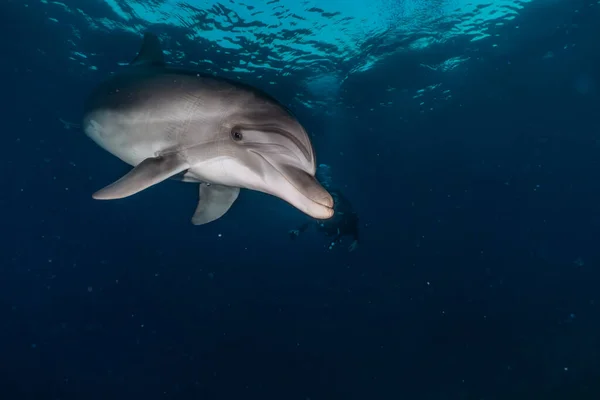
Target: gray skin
x=225, y=135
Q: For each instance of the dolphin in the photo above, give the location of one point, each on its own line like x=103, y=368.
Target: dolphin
x=195, y=127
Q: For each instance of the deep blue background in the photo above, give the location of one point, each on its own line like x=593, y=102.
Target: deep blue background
x=465, y=286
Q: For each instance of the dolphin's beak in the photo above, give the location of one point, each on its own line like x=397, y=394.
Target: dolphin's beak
x=306, y=193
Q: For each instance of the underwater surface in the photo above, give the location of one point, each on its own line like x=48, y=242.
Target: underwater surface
x=464, y=136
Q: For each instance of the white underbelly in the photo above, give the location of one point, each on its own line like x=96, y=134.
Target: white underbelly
x=130, y=141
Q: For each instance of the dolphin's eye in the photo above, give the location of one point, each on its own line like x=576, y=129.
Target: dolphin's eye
x=237, y=135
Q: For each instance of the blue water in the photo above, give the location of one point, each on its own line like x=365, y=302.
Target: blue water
x=466, y=136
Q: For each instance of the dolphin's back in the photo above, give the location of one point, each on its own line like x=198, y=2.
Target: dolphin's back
x=145, y=111
x=142, y=87
x=139, y=84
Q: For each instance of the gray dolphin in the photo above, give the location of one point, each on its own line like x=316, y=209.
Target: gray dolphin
x=223, y=134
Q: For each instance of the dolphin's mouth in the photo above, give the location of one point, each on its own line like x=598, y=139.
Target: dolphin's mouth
x=324, y=209
x=317, y=203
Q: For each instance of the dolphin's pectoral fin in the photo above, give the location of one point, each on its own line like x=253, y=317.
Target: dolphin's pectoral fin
x=151, y=53
x=147, y=173
x=215, y=201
